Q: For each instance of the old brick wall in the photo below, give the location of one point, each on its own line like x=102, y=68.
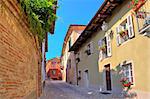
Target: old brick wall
x=19, y=55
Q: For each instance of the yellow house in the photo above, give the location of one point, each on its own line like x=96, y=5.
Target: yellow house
x=115, y=45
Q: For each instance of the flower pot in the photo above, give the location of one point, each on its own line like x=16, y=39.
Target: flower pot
x=124, y=34
x=138, y=5
x=103, y=49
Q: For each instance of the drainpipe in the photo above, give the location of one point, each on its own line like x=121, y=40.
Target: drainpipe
x=77, y=73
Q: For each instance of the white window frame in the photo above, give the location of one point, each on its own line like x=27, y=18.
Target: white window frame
x=143, y=29
x=131, y=33
x=133, y=76
x=108, y=48
x=130, y=26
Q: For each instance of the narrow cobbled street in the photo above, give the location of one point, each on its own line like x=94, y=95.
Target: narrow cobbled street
x=63, y=90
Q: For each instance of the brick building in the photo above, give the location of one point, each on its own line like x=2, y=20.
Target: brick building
x=20, y=55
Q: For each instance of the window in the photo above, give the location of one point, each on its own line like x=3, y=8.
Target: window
x=69, y=63
x=89, y=49
x=125, y=30
x=78, y=57
x=53, y=72
x=143, y=18
x=105, y=47
x=53, y=63
x=128, y=72
x=70, y=43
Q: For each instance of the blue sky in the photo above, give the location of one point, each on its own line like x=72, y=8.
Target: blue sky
x=70, y=12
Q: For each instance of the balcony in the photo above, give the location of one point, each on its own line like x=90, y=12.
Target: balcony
x=143, y=18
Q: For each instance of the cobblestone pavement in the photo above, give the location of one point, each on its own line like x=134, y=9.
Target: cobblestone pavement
x=62, y=90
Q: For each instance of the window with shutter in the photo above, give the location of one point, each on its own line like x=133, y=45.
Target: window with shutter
x=118, y=36
x=89, y=49
x=100, y=43
x=124, y=30
x=78, y=58
x=128, y=72
x=130, y=26
x=108, y=45
x=100, y=55
x=105, y=47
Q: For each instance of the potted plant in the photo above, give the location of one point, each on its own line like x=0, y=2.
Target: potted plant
x=136, y=4
x=103, y=47
x=126, y=85
x=123, y=33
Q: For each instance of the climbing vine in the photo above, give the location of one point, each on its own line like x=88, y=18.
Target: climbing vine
x=40, y=14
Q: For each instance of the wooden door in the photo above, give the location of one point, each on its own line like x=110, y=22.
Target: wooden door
x=108, y=77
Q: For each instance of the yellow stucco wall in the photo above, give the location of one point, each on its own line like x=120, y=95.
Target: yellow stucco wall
x=136, y=50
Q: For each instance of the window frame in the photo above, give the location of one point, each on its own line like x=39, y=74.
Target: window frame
x=69, y=43
x=108, y=47
x=53, y=72
x=69, y=63
x=78, y=56
x=129, y=24
x=131, y=76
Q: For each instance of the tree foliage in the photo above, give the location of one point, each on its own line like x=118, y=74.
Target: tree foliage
x=40, y=14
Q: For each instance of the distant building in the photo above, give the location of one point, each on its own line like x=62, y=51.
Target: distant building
x=68, y=58
x=53, y=69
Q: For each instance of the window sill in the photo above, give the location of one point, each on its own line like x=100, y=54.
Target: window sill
x=125, y=42
x=105, y=58
x=144, y=29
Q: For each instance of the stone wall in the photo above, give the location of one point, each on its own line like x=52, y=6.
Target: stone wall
x=20, y=59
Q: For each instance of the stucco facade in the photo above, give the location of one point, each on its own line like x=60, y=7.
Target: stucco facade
x=71, y=62
x=135, y=50
x=100, y=71
x=68, y=58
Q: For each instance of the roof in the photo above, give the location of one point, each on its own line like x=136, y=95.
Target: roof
x=72, y=27
x=56, y=58
x=95, y=24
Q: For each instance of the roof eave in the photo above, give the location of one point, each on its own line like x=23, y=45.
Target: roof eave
x=93, y=25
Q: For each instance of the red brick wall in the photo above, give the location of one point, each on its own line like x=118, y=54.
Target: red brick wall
x=19, y=55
